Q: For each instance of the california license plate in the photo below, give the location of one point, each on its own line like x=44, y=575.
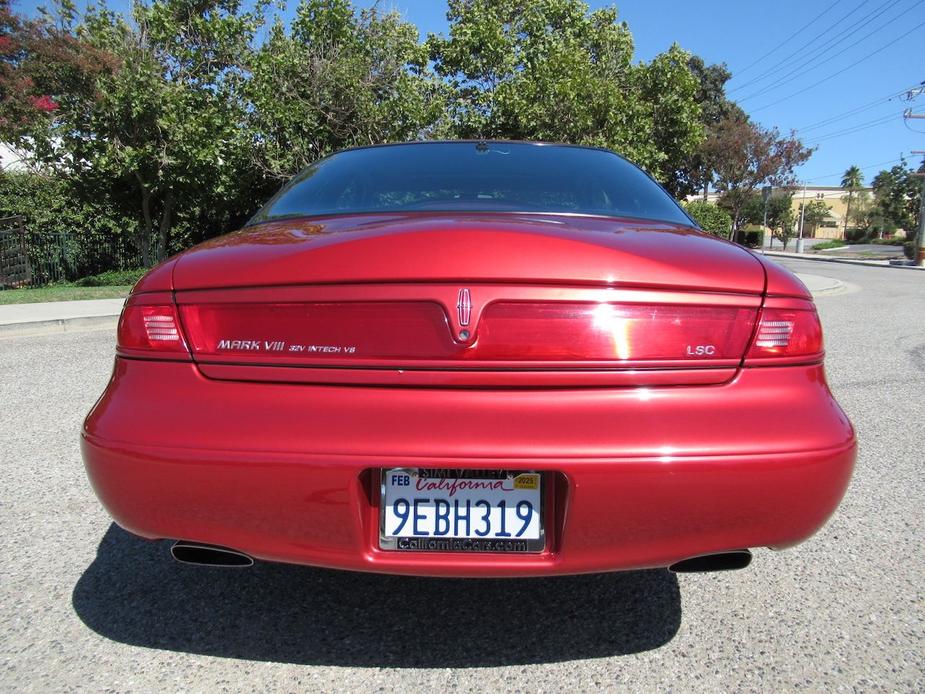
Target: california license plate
x=442, y=510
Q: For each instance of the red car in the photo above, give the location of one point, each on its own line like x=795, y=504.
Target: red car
x=470, y=359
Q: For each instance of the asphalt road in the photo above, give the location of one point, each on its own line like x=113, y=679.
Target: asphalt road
x=83, y=605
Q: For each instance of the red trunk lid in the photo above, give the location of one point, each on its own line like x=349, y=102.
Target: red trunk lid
x=469, y=300
x=470, y=247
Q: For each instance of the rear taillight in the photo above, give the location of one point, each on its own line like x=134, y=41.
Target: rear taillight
x=786, y=335
x=150, y=328
x=524, y=332
x=613, y=332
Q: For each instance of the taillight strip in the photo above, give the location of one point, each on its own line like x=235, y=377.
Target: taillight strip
x=149, y=328
x=788, y=332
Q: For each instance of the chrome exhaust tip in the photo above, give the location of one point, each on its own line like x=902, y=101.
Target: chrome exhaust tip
x=208, y=555
x=720, y=561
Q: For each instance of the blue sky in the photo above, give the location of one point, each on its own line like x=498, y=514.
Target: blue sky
x=832, y=70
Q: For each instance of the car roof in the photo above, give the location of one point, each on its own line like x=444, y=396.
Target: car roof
x=478, y=141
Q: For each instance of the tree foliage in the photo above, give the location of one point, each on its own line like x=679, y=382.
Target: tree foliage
x=780, y=217
x=852, y=181
x=711, y=217
x=184, y=115
x=552, y=70
x=87, y=230
x=744, y=156
x=337, y=79
x=897, y=198
x=814, y=213
x=146, y=111
x=695, y=173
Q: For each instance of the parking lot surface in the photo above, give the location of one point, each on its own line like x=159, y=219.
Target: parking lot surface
x=84, y=605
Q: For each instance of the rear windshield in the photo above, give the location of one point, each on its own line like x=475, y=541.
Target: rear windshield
x=473, y=177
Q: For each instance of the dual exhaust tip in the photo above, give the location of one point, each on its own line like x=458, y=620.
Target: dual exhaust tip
x=720, y=561
x=212, y=555
x=209, y=555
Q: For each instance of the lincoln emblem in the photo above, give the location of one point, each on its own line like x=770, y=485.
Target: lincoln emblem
x=464, y=307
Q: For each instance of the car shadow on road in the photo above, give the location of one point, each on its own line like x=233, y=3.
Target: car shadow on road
x=135, y=593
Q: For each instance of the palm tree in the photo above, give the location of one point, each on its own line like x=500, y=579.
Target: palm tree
x=851, y=181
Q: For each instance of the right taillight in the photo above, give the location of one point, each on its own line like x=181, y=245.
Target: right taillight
x=786, y=335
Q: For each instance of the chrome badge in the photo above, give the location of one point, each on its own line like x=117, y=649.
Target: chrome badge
x=464, y=307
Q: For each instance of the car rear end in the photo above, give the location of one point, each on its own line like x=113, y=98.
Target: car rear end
x=470, y=395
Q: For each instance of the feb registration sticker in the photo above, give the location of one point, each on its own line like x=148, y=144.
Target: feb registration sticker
x=445, y=510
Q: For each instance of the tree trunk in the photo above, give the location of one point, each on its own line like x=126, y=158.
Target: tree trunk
x=734, y=227
x=143, y=237
x=164, y=228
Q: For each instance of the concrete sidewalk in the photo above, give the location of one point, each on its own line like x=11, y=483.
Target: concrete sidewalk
x=17, y=320
x=847, y=261
x=59, y=316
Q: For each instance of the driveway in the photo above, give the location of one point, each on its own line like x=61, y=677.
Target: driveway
x=84, y=605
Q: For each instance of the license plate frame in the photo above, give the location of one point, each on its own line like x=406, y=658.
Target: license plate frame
x=464, y=545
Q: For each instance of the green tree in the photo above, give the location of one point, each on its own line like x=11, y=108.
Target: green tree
x=695, y=174
x=816, y=212
x=148, y=110
x=897, y=196
x=780, y=216
x=335, y=79
x=93, y=237
x=744, y=156
x=862, y=213
x=552, y=70
x=712, y=218
x=852, y=181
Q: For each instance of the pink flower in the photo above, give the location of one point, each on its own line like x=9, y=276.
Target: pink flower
x=45, y=103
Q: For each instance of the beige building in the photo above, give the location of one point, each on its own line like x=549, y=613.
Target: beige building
x=833, y=196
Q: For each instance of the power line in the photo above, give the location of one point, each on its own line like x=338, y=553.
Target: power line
x=857, y=109
x=828, y=38
x=784, y=78
x=862, y=168
x=795, y=54
x=789, y=38
x=843, y=70
x=883, y=120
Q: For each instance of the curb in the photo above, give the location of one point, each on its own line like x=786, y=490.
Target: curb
x=845, y=261
x=59, y=325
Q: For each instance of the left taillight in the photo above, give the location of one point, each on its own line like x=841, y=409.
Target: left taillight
x=150, y=326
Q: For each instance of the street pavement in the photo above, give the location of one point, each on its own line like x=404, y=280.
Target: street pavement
x=85, y=606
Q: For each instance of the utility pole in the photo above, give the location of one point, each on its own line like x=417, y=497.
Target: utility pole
x=920, y=245
x=802, y=213
x=766, y=194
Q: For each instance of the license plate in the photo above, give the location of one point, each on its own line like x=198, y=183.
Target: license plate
x=440, y=510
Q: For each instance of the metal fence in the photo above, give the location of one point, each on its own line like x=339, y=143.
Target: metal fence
x=15, y=269
x=36, y=258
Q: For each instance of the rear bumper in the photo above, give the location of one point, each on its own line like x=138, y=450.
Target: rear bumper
x=637, y=477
